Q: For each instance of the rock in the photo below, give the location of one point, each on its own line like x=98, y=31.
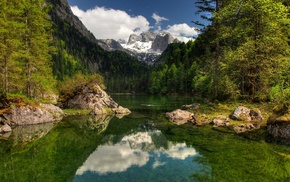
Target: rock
x=252, y=119
x=244, y=128
x=121, y=110
x=62, y=9
x=92, y=96
x=221, y=121
x=279, y=132
x=256, y=115
x=161, y=42
x=110, y=45
x=27, y=114
x=98, y=109
x=242, y=113
x=148, y=36
x=278, y=127
x=179, y=116
x=5, y=129
x=190, y=106
x=134, y=38
x=54, y=110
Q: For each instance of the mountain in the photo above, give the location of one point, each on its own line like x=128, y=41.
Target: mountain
x=149, y=42
x=78, y=51
x=62, y=10
x=148, y=46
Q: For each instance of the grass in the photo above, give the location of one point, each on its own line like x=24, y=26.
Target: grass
x=76, y=111
x=210, y=111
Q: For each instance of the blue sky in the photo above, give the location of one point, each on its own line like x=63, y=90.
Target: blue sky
x=117, y=19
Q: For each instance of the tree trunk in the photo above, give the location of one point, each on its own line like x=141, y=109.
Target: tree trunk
x=6, y=82
x=217, y=54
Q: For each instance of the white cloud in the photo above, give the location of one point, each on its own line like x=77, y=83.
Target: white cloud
x=158, y=18
x=182, y=31
x=109, y=23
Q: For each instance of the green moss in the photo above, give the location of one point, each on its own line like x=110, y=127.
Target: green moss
x=76, y=111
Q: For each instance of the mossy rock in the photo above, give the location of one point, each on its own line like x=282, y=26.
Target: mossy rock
x=281, y=114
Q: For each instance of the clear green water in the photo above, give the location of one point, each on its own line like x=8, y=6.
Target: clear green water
x=143, y=146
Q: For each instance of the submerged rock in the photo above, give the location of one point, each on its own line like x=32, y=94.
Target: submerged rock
x=244, y=128
x=221, y=121
x=190, y=106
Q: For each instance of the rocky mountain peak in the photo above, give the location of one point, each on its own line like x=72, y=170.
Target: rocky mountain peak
x=62, y=9
x=161, y=42
x=149, y=42
x=134, y=38
x=148, y=36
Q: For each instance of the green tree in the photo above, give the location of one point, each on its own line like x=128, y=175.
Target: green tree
x=37, y=47
x=208, y=10
x=260, y=32
x=9, y=44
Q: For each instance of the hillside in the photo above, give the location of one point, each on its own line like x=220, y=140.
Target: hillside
x=79, y=51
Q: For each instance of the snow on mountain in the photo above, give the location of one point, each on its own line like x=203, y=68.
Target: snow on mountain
x=140, y=47
x=146, y=47
x=149, y=42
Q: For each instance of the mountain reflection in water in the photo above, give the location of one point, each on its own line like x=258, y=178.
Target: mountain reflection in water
x=147, y=150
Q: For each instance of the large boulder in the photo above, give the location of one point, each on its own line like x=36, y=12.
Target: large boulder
x=252, y=119
x=180, y=117
x=28, y=114
x=92, y=96
x=278, y=126
x=242, y=113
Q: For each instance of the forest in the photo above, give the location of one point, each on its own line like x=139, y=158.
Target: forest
x=242, y=54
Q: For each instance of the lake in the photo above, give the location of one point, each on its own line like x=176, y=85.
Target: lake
x=142, y=146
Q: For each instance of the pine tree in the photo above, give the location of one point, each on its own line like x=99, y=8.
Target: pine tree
x=37, y=49
x=259, y=32
x=208, y=10
x=9, y=44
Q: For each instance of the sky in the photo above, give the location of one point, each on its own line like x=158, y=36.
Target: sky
x=118, y=19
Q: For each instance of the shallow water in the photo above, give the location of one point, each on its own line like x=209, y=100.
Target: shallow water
x=143, y=146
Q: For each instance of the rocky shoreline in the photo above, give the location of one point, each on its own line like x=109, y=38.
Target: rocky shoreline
x=241, y=120
x=19, y=115
x=18, y=112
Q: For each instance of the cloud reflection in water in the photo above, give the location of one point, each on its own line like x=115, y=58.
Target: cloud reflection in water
x=134, y=150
